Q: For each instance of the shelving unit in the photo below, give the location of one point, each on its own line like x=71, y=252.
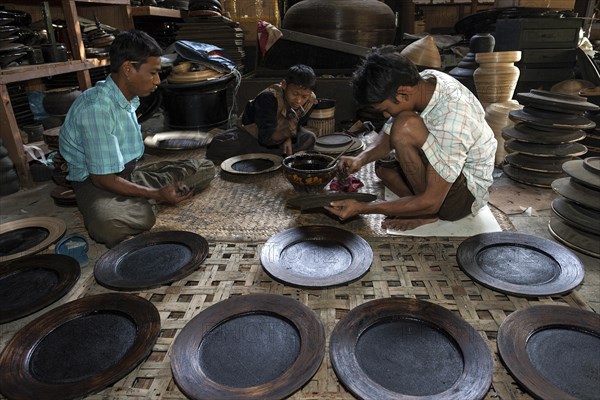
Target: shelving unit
x=117, y=13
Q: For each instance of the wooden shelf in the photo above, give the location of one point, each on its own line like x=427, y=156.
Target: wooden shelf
x=27, y=72
x=149, y=11
x=109, y=2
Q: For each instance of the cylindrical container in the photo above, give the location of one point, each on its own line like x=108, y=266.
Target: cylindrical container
x=322, y=118
x=54, y=53
x=58, y=101
x=496, y=115
x=34, y=132
x=497, y=76
x=201, y=105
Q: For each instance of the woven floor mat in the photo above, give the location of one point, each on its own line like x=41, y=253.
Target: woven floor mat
x=253, y=207
x=419, y=268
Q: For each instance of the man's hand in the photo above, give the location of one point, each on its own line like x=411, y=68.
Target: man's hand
x=349, y=165
x=345, y=209
x=174, y=194
x=286, y=147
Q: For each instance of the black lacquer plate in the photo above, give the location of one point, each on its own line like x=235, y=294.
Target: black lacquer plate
x=316, y=256
x=580, y=217
x=312, y=201
x=530, y=177
x=577, y=170
x=525, y=133
x=256, y=346
x=409, y=349
x=79, y=348
x=252, y=164
x=580, y=194
x=32, y=283
x=28, y=236
x=151, y=260
x=576, y=239
x=551, y=165
x=552, y=351
x=520, y=264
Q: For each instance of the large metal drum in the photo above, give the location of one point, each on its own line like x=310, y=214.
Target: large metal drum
x=365, y=23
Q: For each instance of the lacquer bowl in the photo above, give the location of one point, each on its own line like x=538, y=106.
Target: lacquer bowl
x=308, y=172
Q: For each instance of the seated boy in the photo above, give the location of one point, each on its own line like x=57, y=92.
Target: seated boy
x=272, y=121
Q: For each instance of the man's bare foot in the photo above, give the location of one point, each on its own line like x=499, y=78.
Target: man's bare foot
x=406, y=224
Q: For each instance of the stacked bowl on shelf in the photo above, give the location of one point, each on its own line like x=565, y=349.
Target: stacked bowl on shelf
x=546, y=135
x=576, y=214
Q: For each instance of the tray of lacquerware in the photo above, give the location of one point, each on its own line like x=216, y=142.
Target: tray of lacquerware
x=520, y=264
x=79, y=348
x=552, y=351
x=150, y=260
x=400, y=348
x=27, y=236
x=255, y=346
x=316, y=256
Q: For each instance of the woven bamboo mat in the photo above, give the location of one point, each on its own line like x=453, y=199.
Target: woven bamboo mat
x=422, y=268
x=253, y=207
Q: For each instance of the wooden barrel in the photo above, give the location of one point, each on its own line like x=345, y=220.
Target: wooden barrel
x=322, y=118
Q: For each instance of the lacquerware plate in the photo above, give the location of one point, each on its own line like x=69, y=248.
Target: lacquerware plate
x=592, y=164
x=30, y=284
x=520, y=264
x=579, y=217
x=552, y=100
x=409, y=349
x=151, y=260
x=530, y=177
x=577, y=170
x=539, y=164
x=256, y=346
x=178, y=140
x=527, y=134
x=335, y=150
x=28, y=236
x=552, y=351
x=316, y=256
x=334, y=140
x=545, y=150
x=580, y=194
x=576, y=239
x=79, y=347
x=573, y=123
x=312, y=201
x=252, y=164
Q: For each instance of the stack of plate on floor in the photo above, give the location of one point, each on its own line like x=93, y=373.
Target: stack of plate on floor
x=218, y=31
x=592, y=140
x=547, y=134
x=576, y=219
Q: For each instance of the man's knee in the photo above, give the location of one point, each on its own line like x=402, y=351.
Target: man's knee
x=408, y=130
x=113, y=230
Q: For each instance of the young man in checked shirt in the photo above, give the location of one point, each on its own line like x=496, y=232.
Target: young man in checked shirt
x=443, y=146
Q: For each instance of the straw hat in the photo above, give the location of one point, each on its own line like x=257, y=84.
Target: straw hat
x=423, y=52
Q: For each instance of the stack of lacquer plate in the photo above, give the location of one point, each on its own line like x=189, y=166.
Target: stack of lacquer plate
x=576, y=219
x=546, y=135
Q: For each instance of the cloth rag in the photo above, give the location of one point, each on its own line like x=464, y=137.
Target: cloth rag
x=349, y=184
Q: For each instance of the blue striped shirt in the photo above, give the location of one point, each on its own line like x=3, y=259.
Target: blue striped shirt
x=100, y=133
